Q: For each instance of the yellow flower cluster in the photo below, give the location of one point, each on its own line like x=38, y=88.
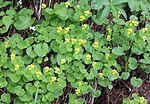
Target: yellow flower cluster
x=82, y=41
x=56, y=70
x=77, y=50
x=5, y=44
x=119, y=13
x=94, y=64
x=78, y=6
x=86, y=13
x=63, y=61
x=53, y=79
x=130, y=30
x=145, y=30
x=73, y=40
x=101, y=74
x=12, y=56
x=80, y=83
x=95, y=44
x=142, y=99
x=77, y=91
x=46, y=69
x=107, y=56
x=133, y=23
x=109, y=30
x=38, y=73
x=84, y=26
x=67, y=40
x=66, y=29
x=108, y=37
x=82, y=18
x=59, y=29
x=88, y=57
x=43, y=6
x=114, y=71
x=17, y=66
x=67, y=4
x=31, y=66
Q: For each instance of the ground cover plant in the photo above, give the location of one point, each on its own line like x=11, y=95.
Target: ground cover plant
x=74, y=52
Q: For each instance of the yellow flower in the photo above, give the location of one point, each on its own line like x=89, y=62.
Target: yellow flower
x=67, y=40
x=67, y=4
x=142, y=99
x=46, y=69
x=95, y=44
x=107, y=56
x=73, y=40
x=63, y=61
x=114, y=71
x=81, y=41
x=31, y=66
x=82, y=18
x=84, y=26
x=53, y=79
x=59, y=29
x=77, y=50
x=67, y=29
x=80, y=83
x=88, y=57
x=56, y=69
x=43, y=6
x=109, y=30
x=101, y=74
x=109, y=47
x=17, y=66
x=145, y=29
x=12, y=56
x=78, y=6
x=5, y=44
x=86, y=13
x=38, y=73
x=119, y=13
x=94, y=64
x=108, y=37
x=130, y=30
x=144, y=38
x=133, y=23
x=77, y=91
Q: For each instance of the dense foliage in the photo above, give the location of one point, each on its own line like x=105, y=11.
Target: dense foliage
x=57, y=56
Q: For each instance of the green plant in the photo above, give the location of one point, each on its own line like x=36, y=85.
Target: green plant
x=135, y=99
x=63, y=54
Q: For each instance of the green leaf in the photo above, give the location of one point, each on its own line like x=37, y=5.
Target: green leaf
x=117, y=2
x=136, y=82
x=105, y=12
x=96, y=93
x=19, y=91
x=125, y=75
x=3, y=83
x=23, y=22
x=26, y=97
x=23, y=44
x=11, y=11
x=30, y=88
x=118, y=51
x=61, y=11
x=7, y=21
x=98, y=4
x=62, y=48
x=132, y=63
x=6, y=98
x=14, y=77
x=30, y=52
x=41, y=49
